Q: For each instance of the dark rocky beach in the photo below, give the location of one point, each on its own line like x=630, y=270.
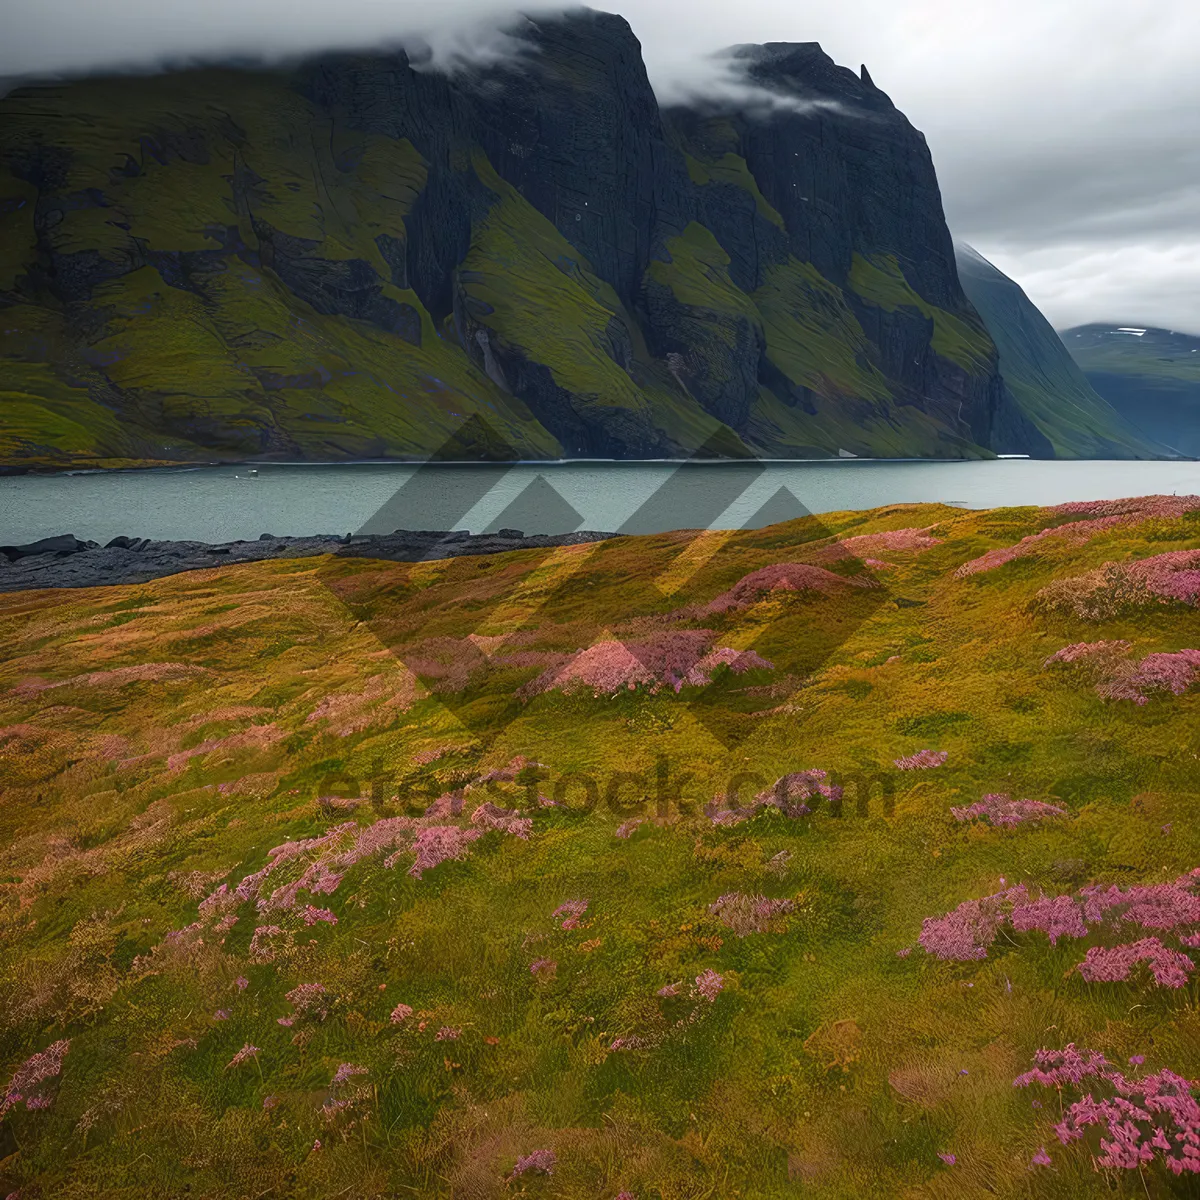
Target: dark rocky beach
x=67, y=562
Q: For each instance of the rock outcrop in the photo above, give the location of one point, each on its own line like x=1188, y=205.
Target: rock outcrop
x=64, y=562
x=360, y=257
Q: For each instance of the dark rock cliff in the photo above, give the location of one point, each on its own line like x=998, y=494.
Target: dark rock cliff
x=361, y=256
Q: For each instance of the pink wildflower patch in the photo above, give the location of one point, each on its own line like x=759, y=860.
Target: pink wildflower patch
x=540, y=1162
x=323, y=860
x=1170, y=968
x=1155, y=1116
x=314, y=915
x=381, y=698
x=1085, y=650
x=1040, y=1159
x=922, y=760
x=544, y=968
x=633, y=1041
x=1075, y=533
x=670, y=991
x=241, y=983
x=626, y=829
x=1119, y=678
x=571, y=911
x=507, y=820
x=262, y=944
x=447, y=1033
x=999, y=809
x=1174, y=576
x=509, y=772
x=28, y=1082
x=441, y=843
x=1098, y=517
x=914, y=540
x=1056, y=916
x=245, y=1054
x=783, y=577
x=1158, y=906
x=1109, y=590
x=1143, y=507
x=401, y=1013
x=431, y=754
x=344, y=1072
x=797, y=794
x=309, y=1001
x=673, y=659
x=257, y=737
x=120, y=676
x=1174, y=672
x=948, y=1159
x=709, y=985
x=749, y=914
x=968, y=931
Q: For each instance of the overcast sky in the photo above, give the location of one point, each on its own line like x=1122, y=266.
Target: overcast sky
x=1065, y=132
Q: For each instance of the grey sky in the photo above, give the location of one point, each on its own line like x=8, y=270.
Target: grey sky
x=1064, y=131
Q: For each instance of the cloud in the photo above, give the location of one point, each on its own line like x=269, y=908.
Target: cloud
x=720, y=78
x=1140, y=282
x=1063, y=130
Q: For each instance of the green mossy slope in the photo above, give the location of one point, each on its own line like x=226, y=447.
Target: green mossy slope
x=191, y=196
x=355, y=258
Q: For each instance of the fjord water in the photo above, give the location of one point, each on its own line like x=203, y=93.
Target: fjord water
x=225, y=503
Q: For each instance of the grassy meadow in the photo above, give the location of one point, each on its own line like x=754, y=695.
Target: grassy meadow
x=471, y=878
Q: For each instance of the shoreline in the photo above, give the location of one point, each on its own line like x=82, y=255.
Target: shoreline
x=12, y=471
x=127, y=467
x=66, y=562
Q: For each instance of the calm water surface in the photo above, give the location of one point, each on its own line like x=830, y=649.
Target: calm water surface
x=223, y=503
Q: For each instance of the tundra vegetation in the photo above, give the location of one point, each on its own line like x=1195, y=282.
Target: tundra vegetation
x=234, y=966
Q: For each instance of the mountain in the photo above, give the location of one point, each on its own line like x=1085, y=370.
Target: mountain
x=358, y=256
x=1048, y=386
x=1150, y=376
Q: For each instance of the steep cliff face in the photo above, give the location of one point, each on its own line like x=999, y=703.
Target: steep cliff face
x=1047, y=384
x=362, y=257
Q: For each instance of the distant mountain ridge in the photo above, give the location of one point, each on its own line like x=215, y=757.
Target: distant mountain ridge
x=355, y=258
x=1050, y=388
x=1151, y=376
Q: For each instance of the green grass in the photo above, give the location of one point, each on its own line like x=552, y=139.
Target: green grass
x=827, y=1063
x=880, y=280
x=813, y=336
x=732, y=168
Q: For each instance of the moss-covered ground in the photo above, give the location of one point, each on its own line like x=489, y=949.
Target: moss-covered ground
x=159, y=743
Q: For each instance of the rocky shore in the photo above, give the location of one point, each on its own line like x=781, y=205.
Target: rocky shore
x=67, y=562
